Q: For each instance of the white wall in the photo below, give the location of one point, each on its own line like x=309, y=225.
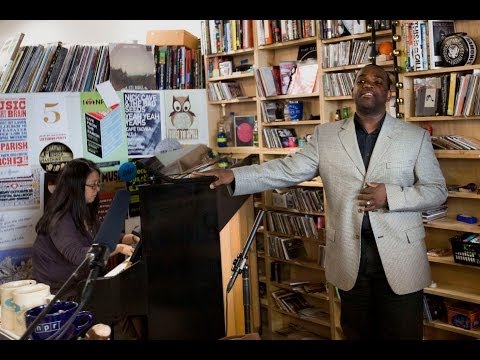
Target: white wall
x=90, y=31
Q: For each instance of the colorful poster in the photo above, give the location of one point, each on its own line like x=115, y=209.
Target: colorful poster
x=142, y=177
x=53, y=129
x=110, y=184
x=186, y=115
x=103, y=132
x=17, y=228
x=14, y=160
x=21, y=192
x=142, y=111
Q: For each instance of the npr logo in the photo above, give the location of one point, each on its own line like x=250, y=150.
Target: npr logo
x=47, y=327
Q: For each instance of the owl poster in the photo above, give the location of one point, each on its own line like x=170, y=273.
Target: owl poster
x=143, y=113
x=186, y=116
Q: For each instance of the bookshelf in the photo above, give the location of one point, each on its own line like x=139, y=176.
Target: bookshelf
x=270, y=50
x=454, y=281
x=281, y=274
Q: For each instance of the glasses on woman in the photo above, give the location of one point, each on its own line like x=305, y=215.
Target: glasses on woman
x=95, y=186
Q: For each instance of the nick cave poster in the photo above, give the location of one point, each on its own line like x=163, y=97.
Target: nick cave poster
x=145, y=128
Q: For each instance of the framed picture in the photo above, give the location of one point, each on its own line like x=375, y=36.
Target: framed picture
x=243, y=127
x=437, y=31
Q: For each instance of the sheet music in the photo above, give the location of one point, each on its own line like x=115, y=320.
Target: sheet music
x=119, y=268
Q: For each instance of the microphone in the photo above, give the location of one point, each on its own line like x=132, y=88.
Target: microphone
x=127, y=171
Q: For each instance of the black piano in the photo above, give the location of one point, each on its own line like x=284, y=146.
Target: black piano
x=176, y=286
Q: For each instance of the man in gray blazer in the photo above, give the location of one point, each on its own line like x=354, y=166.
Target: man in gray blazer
x=379, y=173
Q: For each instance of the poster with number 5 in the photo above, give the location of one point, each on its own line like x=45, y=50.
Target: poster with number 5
x=54, y=129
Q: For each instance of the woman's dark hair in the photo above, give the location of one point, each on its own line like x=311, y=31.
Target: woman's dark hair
x=69, y=198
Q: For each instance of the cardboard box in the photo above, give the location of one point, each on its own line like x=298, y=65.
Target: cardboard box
x=172, y=37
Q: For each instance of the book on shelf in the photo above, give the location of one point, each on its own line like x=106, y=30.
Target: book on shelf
x=284, y=134
x=454, y=80
x=8, y=53
x=287, y=68
x=244, y=128
x=307, y=51
x=434, y=307
x=282, y=198
x=314, y=313
x=293, y=248
x=434, y=214
x=289, y=301
x=427, y=95
x=321, y=255
x=438, y=30
x=273, y=110
x=304, y=80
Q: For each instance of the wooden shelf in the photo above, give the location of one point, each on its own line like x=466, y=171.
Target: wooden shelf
x=291, y=43
x=233, y=76
x=233, y=101
x=454, y=281
x=441, y=118
x=355, y=66
x=307, y=264
x=294, y=211
x=453, y=292
x=231, y=53
x=287, y=97
x=464, y=195
x=447, y=327
x=322, y=296
x=280, y=151
x=448, y=260
x=292, y=123
x=367, y=35
x=458, y=154
x=238, y=150
x=312, y=183
x=318, y=321
x=453, y=225
x=343, y=68
x=444, y=70
x=320, y=231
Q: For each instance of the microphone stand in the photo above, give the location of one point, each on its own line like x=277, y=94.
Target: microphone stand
x=240, y=264
x=98, y=256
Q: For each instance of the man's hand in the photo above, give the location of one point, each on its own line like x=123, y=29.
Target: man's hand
x=372, y=197
x=224, y=177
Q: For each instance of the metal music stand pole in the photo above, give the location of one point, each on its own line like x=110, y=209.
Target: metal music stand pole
x=240, y=264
